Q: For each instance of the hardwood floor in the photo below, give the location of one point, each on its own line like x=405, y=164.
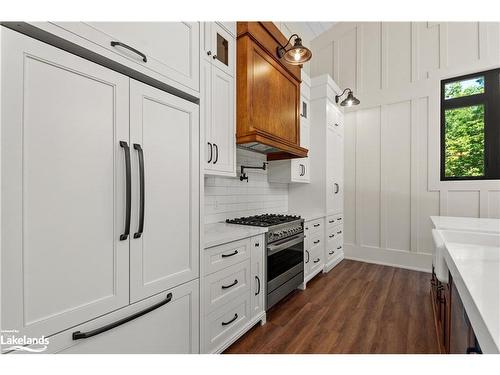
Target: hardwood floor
x=355, y=308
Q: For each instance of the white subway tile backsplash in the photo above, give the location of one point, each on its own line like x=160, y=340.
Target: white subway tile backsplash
x=228, y=197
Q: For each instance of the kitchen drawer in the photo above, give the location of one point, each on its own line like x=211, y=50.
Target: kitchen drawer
x=222, y=324
x=334, y=232
x=219, y=257
x=334, y=220
x=334, y=247
x=171, y=49
x=222, y=286
x=171, y=328
x=314, y=226
x=317, y=257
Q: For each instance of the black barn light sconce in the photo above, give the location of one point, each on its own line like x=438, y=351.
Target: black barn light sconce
x=295, y=55
x=349, y=101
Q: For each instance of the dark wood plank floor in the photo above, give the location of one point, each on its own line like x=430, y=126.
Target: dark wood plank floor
x=355, y=308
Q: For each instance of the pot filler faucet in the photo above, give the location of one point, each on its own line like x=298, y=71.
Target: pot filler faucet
x=243, y=175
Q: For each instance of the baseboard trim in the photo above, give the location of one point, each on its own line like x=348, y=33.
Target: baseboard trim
x=402, y=259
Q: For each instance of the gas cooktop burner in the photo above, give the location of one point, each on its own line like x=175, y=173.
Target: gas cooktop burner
x=265, y=220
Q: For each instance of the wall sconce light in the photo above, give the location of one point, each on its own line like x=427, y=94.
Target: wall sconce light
x=349, y=101
x=297, y=54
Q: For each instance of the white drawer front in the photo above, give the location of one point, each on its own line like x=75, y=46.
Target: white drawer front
x=334, y=220
x=314, y=226
x=335, y=247
x=222, y=286
x=334, y=232
x=225, y=322
x=171, y=328
x=219, y=257
x=317, y=257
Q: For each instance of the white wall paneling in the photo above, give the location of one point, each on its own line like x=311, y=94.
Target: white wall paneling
x=392, y=182
x=228, y=197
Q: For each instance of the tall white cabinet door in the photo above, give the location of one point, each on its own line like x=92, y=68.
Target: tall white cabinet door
x=258, y=279
x=166, y=128
x=222, y=122
x=334, y=171
x=63, y=188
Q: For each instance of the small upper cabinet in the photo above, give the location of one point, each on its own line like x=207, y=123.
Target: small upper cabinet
x=219, y=45
x=170, y=49
x=217, y=103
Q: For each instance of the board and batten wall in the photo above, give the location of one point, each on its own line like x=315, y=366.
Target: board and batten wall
x=392, y=140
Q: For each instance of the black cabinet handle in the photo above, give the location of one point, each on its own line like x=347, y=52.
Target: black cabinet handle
x=211, y=152
x=308, y=256
x=230, y=285
x=216, y=153
x=331, y=235
x=229, y=255
x=315, y=242
x=339, y=247
x=232, y=320
x=114, y=44
x=77, y=335
x=336, y=124
x=316, y=261
x=257, y=244
x=331, y=252
x=258, y=281
x=128, y=198
x=339, y=219
x=337, y=188
x=331, y=221
x=214, y=57
x=316, y=225
x=339, y=232
x=209, y=53
x=140, y=154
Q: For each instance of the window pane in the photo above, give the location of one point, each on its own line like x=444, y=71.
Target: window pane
x=467, y=87
x=464, y=141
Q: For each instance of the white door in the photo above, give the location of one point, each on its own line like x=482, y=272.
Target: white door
x=206, y=114
x=258, y=280
x=223, y=136
x=223, y=49
x=334, y=172
x=63, y=188
x=171, y=49
x=166, y=129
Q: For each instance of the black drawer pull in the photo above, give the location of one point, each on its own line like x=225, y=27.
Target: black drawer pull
x=229, y=255
x=77, y=335
x=258, y=281
x=315, y=242
x=316, y=261
x=339, y=247
x=211, y=152
x=331, y=221
x=331, y=252
x=339, y=232
x=339, y=219
x=114, y=44
x=257, y=244
x=316, y=225
x=230, y=285
x=232, y=320
x=308, y=256
x=331, y=235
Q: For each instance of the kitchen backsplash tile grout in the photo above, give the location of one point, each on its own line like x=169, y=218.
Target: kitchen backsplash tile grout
x=228, y=197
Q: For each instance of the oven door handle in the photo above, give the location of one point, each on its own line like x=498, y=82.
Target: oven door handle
x=273, y=249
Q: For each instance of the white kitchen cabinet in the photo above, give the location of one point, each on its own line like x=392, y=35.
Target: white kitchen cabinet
x=219, y=45
x=334, y=172
x=234, y=290
x=218, y=107
x=72, y=132
x=296, y=170
x=172, y=328
x=63, y=188
x=170, y=49
x=166, y=129
x=258, y=278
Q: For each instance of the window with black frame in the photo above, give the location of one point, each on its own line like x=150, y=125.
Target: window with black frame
x=470, y=127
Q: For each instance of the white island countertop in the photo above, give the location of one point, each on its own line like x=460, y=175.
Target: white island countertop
x=471, y=224
x=474, y=263
x=220, y=233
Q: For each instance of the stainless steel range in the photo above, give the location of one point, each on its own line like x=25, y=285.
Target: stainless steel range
x=285, y=252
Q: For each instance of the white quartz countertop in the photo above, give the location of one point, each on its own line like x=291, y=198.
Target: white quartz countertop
x=466, y=223
x=220, y=233
x=475, y=269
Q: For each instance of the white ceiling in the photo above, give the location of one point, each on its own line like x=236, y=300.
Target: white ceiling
x=310, y=30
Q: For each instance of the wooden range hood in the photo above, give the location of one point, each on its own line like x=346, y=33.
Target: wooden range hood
x=268, y=94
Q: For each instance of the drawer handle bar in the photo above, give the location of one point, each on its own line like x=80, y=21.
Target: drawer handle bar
x=331, y=252
x=316, y=261
x=339, y=247
x=230, y=285
x=316, y=225
x=331, y=221
x=140, y=154
x=331, y=235
x=126, y=46
x=229, y=255
x=77, y=335
x=232, y=320
x=308, y=256
x=339, y=232
x=315, y=242
x=128, y=193
x=258, y=283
